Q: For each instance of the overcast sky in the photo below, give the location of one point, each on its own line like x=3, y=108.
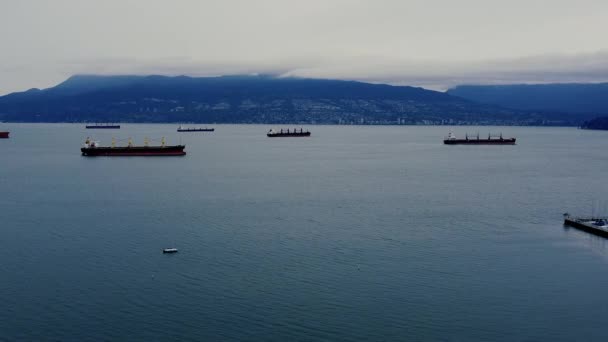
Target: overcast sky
x=429, y=43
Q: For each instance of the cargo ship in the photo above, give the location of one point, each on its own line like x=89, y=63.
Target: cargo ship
x=102, y=126
x=93, y=149
x=194, y=129
x=498, y=140
x=4, y=135
x=287, y=133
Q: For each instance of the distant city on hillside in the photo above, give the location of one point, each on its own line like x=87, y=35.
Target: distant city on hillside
x=276, y=100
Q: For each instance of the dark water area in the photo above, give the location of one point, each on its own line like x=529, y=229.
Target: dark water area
x=356, y=233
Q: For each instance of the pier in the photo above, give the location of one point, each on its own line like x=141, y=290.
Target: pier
x=593, y=225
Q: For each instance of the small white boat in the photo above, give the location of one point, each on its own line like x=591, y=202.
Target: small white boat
x=170, y=250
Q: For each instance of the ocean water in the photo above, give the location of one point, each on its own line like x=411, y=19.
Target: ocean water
x=356, y=233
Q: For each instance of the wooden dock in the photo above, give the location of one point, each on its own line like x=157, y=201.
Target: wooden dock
x=587, y=224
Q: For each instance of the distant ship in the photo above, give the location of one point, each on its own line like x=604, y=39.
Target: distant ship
x=102, y=126
x=287, y=133
x=194, y=129
x=93, y=149
x=452, y=140
x=4, y=135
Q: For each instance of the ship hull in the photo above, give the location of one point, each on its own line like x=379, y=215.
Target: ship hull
x=284, y=135
x=479, y=141
x=103, y=127
x=585, y=226
x=197, y=130
x=136, y=151
x=4, y=135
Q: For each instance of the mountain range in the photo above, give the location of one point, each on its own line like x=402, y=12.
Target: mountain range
x=575, y=98
x=261, y=99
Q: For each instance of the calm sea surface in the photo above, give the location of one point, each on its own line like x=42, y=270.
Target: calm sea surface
x=357, y=233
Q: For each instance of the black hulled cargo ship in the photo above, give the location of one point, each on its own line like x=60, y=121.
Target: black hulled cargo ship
x=491, y=140
x=287, y=133
x=102, y=126
x=93, y=149
x=195, y=129
x=4, y=135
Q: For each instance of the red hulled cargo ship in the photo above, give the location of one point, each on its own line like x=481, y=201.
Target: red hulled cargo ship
x=93, y=149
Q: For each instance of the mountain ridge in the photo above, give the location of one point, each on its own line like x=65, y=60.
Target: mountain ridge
x=581, y=98
x=253, y=99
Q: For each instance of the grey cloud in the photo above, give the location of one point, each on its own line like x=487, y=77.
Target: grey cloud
x=429, y=74
x=430, y=43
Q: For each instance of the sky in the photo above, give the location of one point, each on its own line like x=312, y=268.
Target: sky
x=434, y=44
